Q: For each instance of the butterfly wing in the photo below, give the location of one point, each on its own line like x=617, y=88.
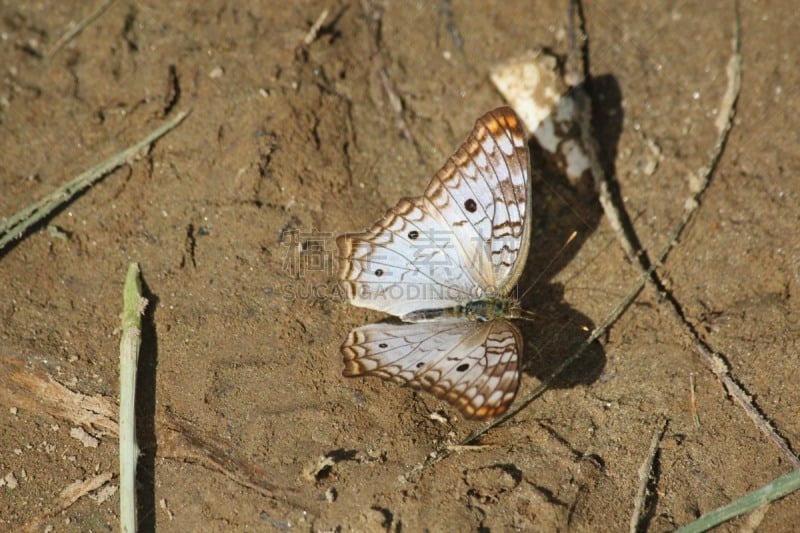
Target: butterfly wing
x=483, y=193
x=471, y=365
x=465, y=238
x=404, y=263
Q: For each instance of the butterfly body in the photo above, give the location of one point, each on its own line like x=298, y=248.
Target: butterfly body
x=445, y=263
x=481, y=310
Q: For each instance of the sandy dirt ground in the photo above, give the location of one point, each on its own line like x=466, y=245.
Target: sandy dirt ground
x=245, y=419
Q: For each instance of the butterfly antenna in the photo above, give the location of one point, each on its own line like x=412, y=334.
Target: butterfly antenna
x=530, y=316
x=553, y=260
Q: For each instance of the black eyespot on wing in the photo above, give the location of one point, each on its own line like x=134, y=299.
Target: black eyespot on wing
x=420, y=364
x=470, y=205
x=379, y=272
x=413, y=234
x=383, y=345
x=463, y=367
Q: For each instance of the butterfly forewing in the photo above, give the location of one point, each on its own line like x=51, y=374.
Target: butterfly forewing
x=405, y=262
x=482, y=193
x=464, y=239
x=471, y=365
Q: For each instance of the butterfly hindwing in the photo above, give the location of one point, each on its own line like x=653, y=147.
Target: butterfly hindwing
x=471, y=365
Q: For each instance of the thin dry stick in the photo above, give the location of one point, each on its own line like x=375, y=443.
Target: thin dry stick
x=698, y=185
x=79, y=27
x=699, y=182
x=745, y=401
x=18, y=223
x=716, y=363
x=133, y=307
x=693, y=401
x=576, y=74
x=311, y=36
x=523, y=402
x=39, y=393
x=71, y=494
x=691, y=205
x=645, y=473
x=472, y=448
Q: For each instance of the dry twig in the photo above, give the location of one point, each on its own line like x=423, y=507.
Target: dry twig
x=17, y=224
x=645, y=475
x=313, y=31
x=71, y=494
x=42, y=395
x=79, y=27
x=698, y=184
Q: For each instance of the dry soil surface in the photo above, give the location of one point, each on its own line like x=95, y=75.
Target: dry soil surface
x=245, y=419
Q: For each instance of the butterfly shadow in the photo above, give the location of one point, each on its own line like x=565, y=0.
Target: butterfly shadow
x=561, y=208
